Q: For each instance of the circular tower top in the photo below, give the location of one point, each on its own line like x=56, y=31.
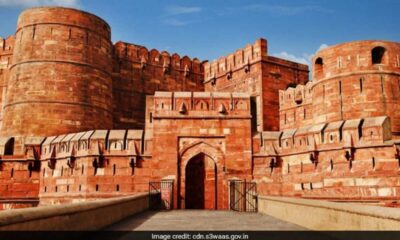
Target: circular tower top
x=60, y=80
x=350, y=57
x=63, y=16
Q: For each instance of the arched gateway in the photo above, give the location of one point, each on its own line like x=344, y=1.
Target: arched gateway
x=200, y=184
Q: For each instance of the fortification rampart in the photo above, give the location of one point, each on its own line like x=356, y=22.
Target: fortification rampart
x=226, y=68
x=93, y=164
x=259, y=118
x=251, y=70
x=295, y=106
x=344, y=160
x=139, y=72
x=357, y=80
x=60, y=79
x=6, y=51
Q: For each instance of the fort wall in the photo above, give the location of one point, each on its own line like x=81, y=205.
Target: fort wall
x=351, y=80
x=353, y=160
x=60, y=77
x=139, y=72
x=83, y=118
x=251, y=70
x=357, y=80
x=213, y=126
x=92, y=165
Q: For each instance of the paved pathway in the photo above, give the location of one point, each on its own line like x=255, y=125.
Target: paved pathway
x=186, y=220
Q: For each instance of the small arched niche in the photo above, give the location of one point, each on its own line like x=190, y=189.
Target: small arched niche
x=9, y=147
x=378, y=55
x=318, y=65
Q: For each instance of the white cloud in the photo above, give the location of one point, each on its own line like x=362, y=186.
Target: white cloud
x=32, y=3
x=172, y=14
x=322, y=46
x=279, y=10
x=178, y=10
x=305, y=59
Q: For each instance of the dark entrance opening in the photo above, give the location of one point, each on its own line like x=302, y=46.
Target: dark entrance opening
x=194, y=187
x=200, y=183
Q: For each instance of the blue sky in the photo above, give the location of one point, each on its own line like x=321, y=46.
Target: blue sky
x=208, y=29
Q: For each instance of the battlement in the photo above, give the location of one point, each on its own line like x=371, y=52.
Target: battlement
x=201, y=104
x=6, y=51
x=93, y=143
x=350, y=134
x=295, y=96
x=295, y=106
x=242, y=58
x=141, y=57
x=7, y=45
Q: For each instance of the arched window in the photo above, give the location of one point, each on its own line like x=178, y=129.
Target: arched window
x=9, y=147
x=378, y=54
x=318, y=66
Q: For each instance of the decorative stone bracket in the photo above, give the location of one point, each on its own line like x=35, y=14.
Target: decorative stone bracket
x=51, y=163
x=133, y=162
x=349, y=154
x=34, y=166
x=314, y=157
x=99, y=162
x=229, y=75
x=71, y=162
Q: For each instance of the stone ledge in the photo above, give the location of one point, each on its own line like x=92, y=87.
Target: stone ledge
x=324, y=215
x=74, y=216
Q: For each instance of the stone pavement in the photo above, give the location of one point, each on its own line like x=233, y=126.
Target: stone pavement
x=186, y=220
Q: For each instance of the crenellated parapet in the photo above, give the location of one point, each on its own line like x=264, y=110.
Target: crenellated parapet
x=127, y=143
x=138, y=72
x=241, y=60
x=201, y=105
x=92, y=164
x=309, y=139
x=347, y=160
x=250, y=70
x=295, y=106
x=6, y=51
x=6, y=55
x=140, y=57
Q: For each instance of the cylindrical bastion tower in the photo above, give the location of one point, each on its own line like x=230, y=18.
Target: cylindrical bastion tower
x=60, y=80
x=357, y=80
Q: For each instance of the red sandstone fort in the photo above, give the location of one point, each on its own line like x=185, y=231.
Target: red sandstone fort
x=83, y=118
